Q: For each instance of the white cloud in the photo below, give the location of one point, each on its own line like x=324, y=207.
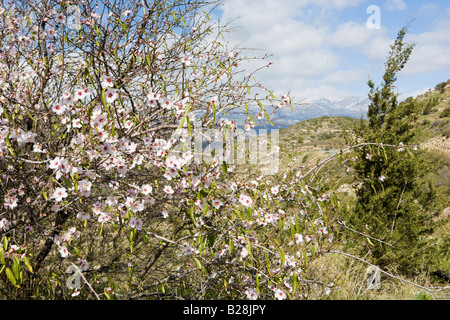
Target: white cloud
x=413, y=94
x=428, y=58
x=343, y=77
x=352, y=34
x=310, y=43
x=377, y=48
x=429, y=8
x=439, y=35
x=300, y=50
x=310, y=64
x=432, y=51
x=394, y=5
x=319, y=91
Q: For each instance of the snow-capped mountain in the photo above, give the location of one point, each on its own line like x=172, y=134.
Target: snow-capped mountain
x=353, y=107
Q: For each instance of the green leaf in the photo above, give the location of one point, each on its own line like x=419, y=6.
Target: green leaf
x=124, y=26
x=189, y=126
x=384, y=153
x=282, y=256
x=131, y=239
x=8, y=144
x=261, y=105
x=373, y=187
x=294, y=282
x=411, y=154
x=297, y=226
x=2, y=256
x=27, y=264
x=29, y=114
x=103, y=97
x=5, y=243
x=257, y=282
x=16, y=267
x=224, y=167
x=271, y=94
x=10, y=276
x=180, y=125
x=197, y=262
x=191, y=214
x=214, y=113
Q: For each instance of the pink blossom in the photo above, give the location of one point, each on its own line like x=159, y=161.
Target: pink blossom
x=186, y=59
x=245, y=200
x=279, y=294
x=63, y=251
x=168, y=190
x=107, y=82
x=4, y=224
x=188, y=250
x=79, y=94
x=59, y=108
x=84, y=265
x=146, y=189
x=60, y=18
x=10, y=201
x=217, y=204
x=135, y=223
x=166, y=103
x=111, y=95
x=59, y=194
x=251, y=294
x=83, y=216
x=51, y=32
x=298, y=238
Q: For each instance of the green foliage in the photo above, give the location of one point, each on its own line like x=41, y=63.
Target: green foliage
x=423, y=296
x=384, y=99
x=445, y=113
x=386, y=207
x=430, y=104
x=441, y=86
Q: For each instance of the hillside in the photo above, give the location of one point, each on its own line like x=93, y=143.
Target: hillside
x=433, y=118
x=311, y=140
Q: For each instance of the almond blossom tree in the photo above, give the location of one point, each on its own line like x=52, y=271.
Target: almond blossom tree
x=99, y=174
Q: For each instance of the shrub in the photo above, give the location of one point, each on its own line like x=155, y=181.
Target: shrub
x=445, y=113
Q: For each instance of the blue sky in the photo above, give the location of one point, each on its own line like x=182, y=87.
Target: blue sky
x=324, y=48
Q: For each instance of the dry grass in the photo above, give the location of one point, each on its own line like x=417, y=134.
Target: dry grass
x=349, y=278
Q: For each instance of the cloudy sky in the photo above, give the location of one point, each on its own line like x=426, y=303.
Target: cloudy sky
x=325, y=48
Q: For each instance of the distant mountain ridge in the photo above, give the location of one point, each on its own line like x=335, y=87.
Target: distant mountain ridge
x=353, y=107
